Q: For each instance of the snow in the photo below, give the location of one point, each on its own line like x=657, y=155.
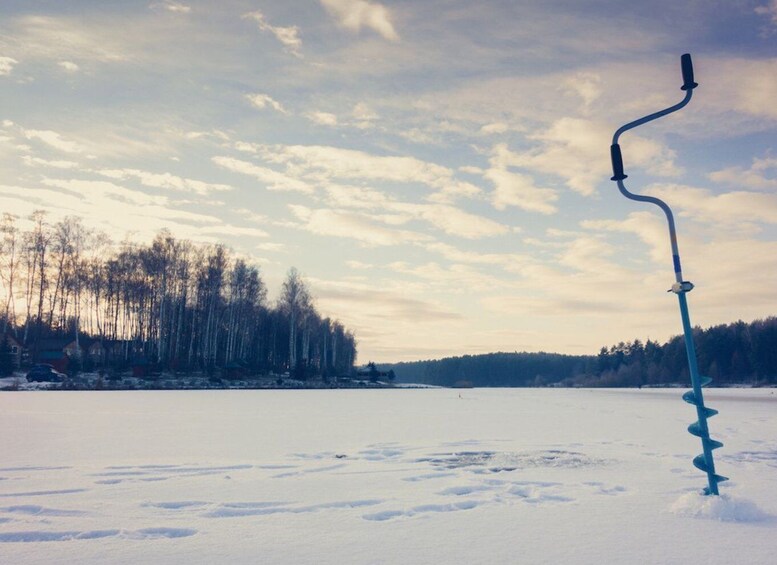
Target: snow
x=383, y=476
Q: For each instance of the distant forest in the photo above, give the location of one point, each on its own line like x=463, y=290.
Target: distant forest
x=173, y=303
x=738, y=353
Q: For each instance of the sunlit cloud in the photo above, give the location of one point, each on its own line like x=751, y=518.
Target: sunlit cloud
x=768, y=10
x=585, y=85
x=164, y=180
x=242, y=231
x=273, y=179
x=57, y=164
x=69, y=66
x=324, y=162
x=761, y=175
x=53, y=139
x=6, y=65
x=322, y=118
x=170, y=6
x=571, y=149
x=287, y=36
x=353, y=226
x=734, y=208
x=356, y=14
x=77, y=39
x=263, y=101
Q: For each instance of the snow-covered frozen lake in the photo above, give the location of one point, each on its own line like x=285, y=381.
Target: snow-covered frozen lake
x=491, y=476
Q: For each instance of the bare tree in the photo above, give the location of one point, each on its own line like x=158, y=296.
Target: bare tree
x=295, y=302
x=9, y=243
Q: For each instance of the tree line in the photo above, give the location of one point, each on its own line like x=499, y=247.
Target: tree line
x=737, y=353
x=180, y=305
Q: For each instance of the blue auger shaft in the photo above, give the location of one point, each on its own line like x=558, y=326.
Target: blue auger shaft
x=699, y=428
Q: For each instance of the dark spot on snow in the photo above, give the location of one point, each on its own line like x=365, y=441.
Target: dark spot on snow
x=496, y=462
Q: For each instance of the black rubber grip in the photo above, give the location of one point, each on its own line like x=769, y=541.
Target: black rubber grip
x=687, y=66
x=617, y=163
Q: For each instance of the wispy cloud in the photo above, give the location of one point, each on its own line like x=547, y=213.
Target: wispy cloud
x=321, y=163
x=272, y=179
x=53, y=139
x=69, y=66
x=356, y=14
x=736, y=208
x=6, y=65
x=359, y=227
x=322, y=118
x=517, y=189
x=288, y=36
x=57, y=164
x=263, y=101
x=77, y=39
x=170, y=6
x=760, y=176
x=768, y=10
x=164, y=180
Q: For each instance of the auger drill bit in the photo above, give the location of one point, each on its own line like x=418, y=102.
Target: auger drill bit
x=681, y=287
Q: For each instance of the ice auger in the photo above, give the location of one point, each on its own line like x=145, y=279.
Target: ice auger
x=699, y=428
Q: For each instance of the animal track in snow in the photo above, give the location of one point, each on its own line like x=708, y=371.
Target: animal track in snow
x=428, y=476
x=421, y=509
x=43, y=492
x=239, y=510
x=35, y=510
x=145, y=533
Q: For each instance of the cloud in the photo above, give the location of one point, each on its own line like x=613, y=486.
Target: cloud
x=585, y=85
x=322, y=118
x=454, y=221
x=449, y=219
x=519, y=190
x=59, y=164
x=353, y=226
x=494, y=128
x=170, y=6
x=508, y=261
x=275, y=247
x=262, y=101
x=53, y=139
x=760, y=175
x=77, y=38
x=164, y=180
x=325, y=168
x=6, y=65
x=742, y=99
x=456, y=279
x=364, y=116
x=355, y=14
x=288, y=36
x=69, y=66
x=516, y=189
x=230, y=230
x=769, y=10
x=736, y=208
x=324, y=163
x=272, y=179
x=649, y=227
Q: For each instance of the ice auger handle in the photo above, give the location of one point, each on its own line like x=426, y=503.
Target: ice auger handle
x=687, y=66
x=617, y=163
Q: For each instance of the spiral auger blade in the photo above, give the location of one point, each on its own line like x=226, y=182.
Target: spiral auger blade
x=703, y=461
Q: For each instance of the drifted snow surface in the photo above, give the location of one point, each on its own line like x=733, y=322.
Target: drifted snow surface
x=496, y=476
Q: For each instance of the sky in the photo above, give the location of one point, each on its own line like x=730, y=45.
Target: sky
x=438, y=170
